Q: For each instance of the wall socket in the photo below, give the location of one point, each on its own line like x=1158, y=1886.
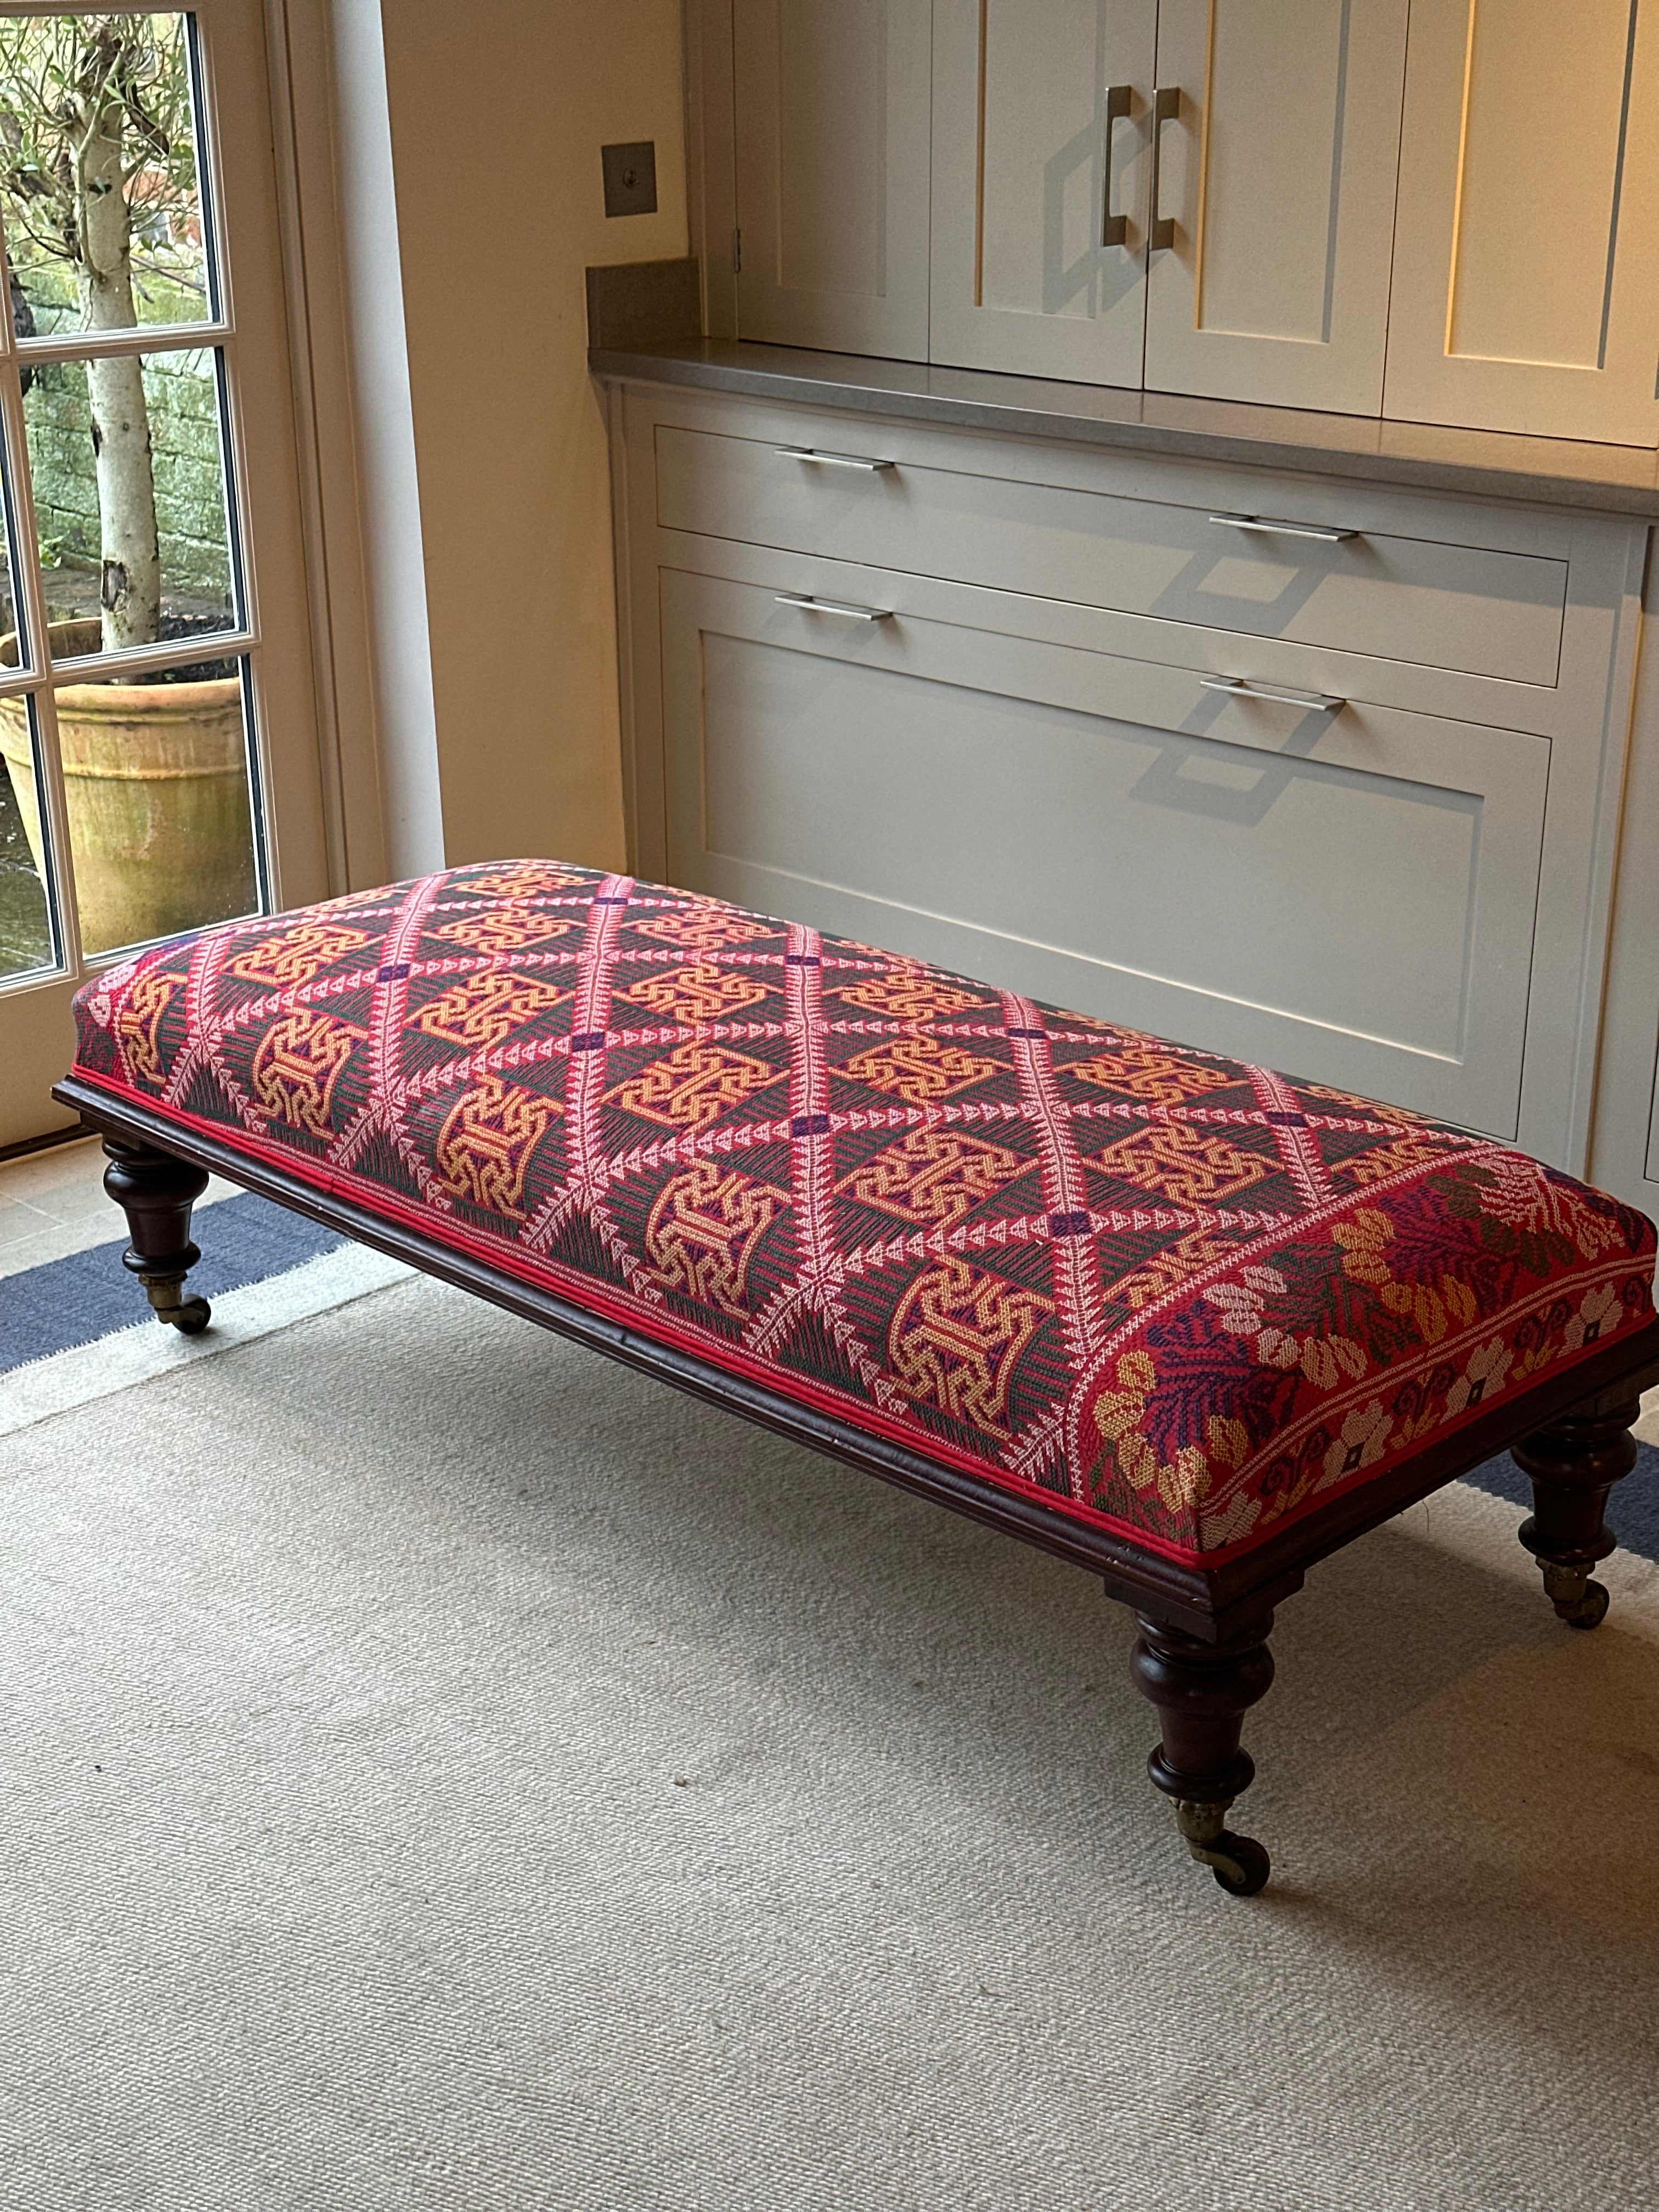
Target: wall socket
x=630, y=178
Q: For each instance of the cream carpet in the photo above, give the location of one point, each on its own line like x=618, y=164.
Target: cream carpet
x=438, y=1768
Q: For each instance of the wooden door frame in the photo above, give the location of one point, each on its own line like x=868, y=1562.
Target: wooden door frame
x=371, y=686
x=299, y=45
x=295, y=724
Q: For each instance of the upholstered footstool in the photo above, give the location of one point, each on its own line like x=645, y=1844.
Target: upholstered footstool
x=1189, y=1323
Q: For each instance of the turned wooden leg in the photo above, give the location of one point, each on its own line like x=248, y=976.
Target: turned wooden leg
x=1573, y=1464
x=156, y=1192
x=1202, y=1692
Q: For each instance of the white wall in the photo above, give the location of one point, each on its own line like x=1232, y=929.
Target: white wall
x=498, y=109
x=388, y=520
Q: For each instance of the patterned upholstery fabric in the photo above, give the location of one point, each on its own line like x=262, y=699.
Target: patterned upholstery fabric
x=1152, y=1288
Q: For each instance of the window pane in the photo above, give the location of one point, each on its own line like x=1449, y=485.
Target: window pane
x=26, y=938
x=10, y=654
x=98, y=188
x=134, y=543
x=161, y=823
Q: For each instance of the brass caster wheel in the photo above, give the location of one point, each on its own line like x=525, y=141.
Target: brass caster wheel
x=1589, y=1612
x=1238, y=1863
x=190, y=1316
x=1578, y=1601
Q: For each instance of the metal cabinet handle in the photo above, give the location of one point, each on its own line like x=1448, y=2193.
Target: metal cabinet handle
x=1283, y=529
x=832, y=607
x=1113, y=228
x=830, y=460
x=1166, y=106
x=1324, y=702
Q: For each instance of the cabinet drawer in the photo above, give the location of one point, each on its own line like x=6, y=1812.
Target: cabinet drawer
x=1393, y=597
x=1350, y=897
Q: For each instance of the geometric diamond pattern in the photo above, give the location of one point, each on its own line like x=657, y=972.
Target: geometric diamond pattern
x=1142, y=1284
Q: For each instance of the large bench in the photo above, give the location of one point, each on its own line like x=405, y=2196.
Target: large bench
x=1187, y=1323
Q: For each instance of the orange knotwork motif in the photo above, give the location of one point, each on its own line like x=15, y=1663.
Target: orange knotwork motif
x=484, y=1147
x=699, y=992
x=507, y=927
x=710, y=929
x=918, y=1069
x=528, y=879
x=1183, y=1165
x=956, y=1338
x=486, y=1008
x=138, y=1025
x=910, y=995
x=935, y=1177
x=297, y=955
x=693, y=1085
x=703, y=1231
x=1146, y=1072
x=298, y=1063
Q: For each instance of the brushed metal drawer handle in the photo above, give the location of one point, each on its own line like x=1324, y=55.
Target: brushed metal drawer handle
x=1283, y=529
x=832, y=460
x=1166, y=106
x=832, y=607
x=1323, y=703
x=1113, y=228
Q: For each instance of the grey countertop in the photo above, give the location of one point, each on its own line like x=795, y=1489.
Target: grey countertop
x=1490, y=464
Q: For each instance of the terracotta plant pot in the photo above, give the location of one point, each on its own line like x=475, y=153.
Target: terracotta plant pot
x=155, y=775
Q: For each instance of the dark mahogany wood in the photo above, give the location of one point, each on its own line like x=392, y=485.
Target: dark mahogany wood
x=156, y=1190
x=1203, y=1628
x=1202, y=1691
x=1573, y=1464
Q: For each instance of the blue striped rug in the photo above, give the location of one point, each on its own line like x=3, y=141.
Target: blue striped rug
x=74, y=1301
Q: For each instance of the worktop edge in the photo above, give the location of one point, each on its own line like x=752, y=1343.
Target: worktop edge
x=1033, y=408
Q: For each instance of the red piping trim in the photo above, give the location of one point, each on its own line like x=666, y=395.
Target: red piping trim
x=580, y=1291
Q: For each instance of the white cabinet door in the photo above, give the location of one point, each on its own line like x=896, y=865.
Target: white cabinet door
x=1041, y=115
x=1276, y=169
x=1525, y=272
x=1349, y=895
x=832, y=160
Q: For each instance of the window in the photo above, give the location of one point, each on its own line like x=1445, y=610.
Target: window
x=125, y=614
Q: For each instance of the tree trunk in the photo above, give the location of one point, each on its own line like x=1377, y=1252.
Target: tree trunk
x=131, y=592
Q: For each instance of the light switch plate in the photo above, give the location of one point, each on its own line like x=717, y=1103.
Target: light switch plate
x=630, y=178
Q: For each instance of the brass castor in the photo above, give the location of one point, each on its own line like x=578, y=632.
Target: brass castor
x=190, y=1316
x=1239, y=1863
x=1578, y=1601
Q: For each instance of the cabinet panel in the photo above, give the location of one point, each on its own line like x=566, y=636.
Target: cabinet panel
x=1278, y=169
x=832, y=168
x=1624, y=1143
x=1526, y=283
x=1373, y=591
x=1348, y=896
x=1025, y=136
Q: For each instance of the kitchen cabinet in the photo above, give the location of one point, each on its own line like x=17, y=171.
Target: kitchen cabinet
x=1299, y=205
x=1624, y=1142
x=831, y=160
x=1526, y=254
x=1275, y=168
x=1113, y=834
x=1041, y=131
x=1308, y=771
